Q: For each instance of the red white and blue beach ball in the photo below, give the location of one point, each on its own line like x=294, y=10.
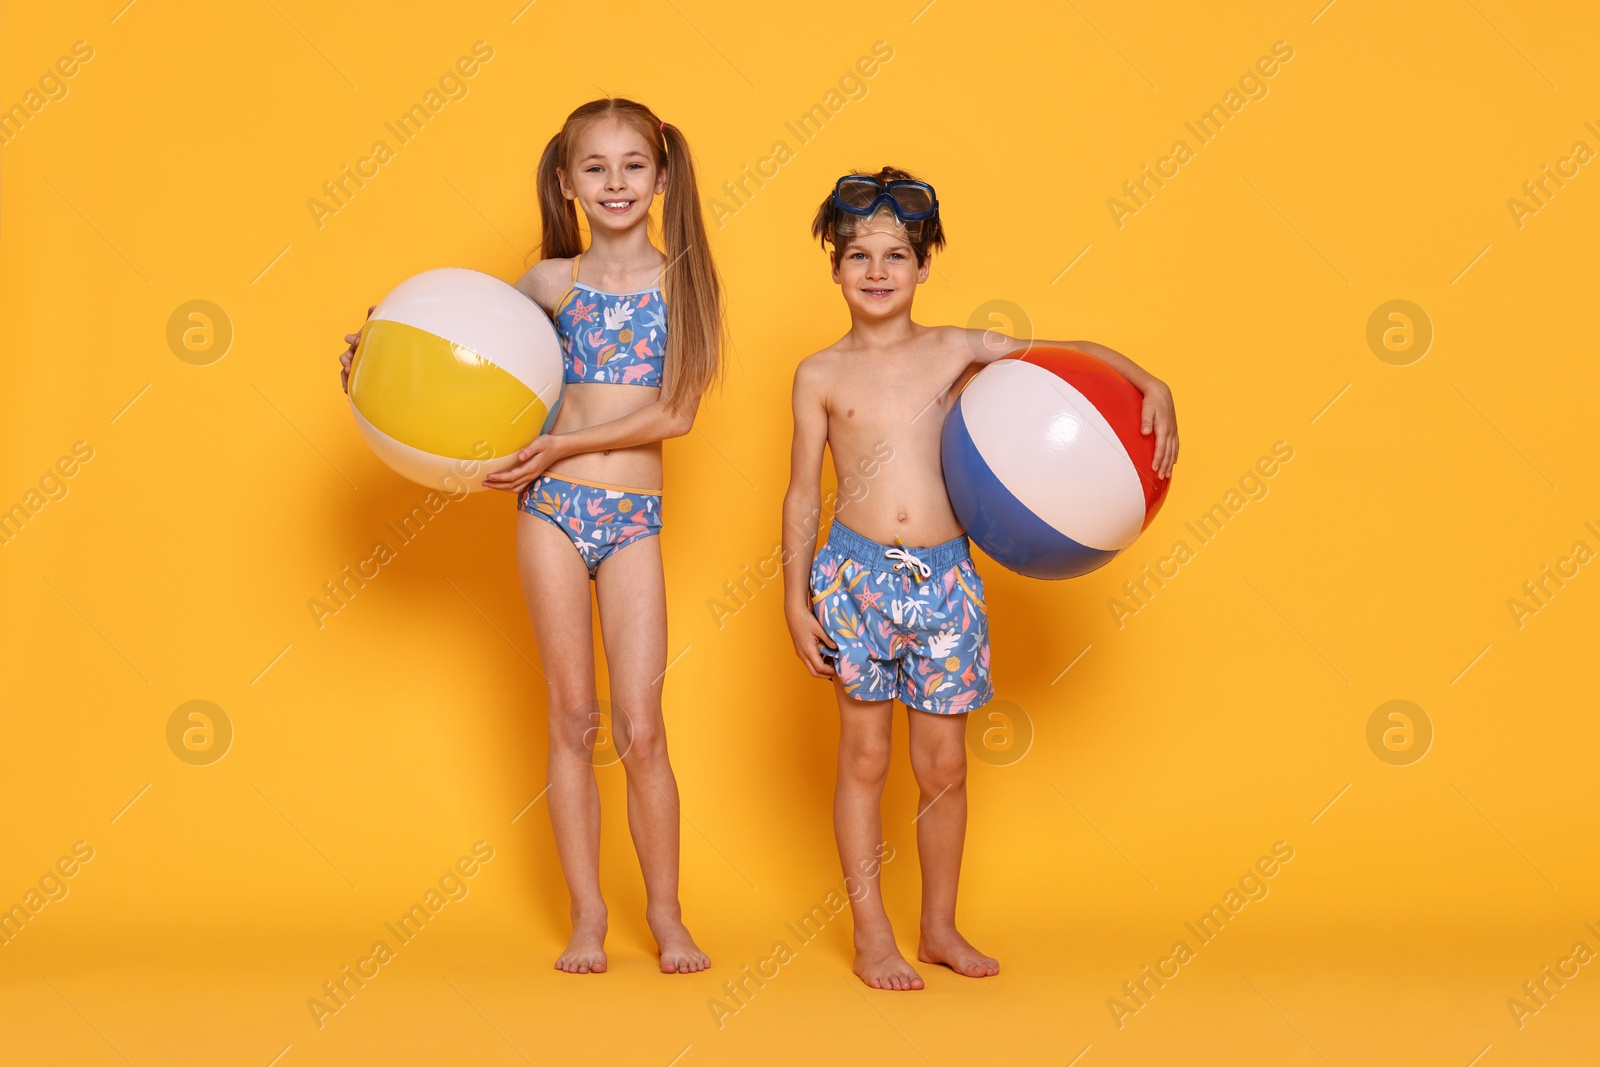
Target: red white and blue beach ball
x=1045, y=464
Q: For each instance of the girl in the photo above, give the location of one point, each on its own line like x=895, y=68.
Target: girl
x=641, y=332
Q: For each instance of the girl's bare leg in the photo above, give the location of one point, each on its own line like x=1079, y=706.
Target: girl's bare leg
x=555, y=586
x=633, y=624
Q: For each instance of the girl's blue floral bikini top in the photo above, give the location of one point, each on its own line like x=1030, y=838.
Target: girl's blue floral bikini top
x=611, y=337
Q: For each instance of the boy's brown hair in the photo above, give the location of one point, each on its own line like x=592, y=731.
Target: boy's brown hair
x=835, y=227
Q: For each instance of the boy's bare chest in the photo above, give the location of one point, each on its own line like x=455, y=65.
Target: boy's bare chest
x=891, y=397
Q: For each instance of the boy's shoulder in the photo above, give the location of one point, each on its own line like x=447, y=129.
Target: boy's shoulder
x=819, y=366
x=948, y=339
x=948, y=349
x=931, y=340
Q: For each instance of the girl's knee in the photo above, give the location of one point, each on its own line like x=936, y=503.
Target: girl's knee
x=641, y=737
x=575, y=722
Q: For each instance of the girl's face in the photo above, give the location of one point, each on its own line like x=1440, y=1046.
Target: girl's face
x=614, y=176
x=878, y=274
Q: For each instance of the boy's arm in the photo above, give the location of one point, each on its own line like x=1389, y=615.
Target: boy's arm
x=802, y=513
x=990, y=345
x=1158, y=414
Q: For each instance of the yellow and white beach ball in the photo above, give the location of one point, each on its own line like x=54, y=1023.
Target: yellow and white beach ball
x=454, y=373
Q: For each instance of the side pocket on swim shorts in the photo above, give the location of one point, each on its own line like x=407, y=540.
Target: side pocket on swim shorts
x=821, y=584
x=971, y=581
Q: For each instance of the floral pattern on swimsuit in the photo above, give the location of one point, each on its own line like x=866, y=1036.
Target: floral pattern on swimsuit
x=923, y=640
x=618, y=338
x=597, y=519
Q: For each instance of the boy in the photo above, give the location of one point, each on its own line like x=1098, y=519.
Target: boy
x=893, y=607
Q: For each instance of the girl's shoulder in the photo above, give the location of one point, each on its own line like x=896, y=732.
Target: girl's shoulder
x=546, y=282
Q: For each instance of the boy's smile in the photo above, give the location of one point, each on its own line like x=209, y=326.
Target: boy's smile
x=878, y=273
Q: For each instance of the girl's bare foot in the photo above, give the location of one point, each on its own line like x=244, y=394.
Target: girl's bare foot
x=948, y=947
x=679, y=953
x=882, y=967
x=585, y=954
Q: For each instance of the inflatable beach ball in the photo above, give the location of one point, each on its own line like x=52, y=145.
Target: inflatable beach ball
x=1045, y=464
x=455, y=372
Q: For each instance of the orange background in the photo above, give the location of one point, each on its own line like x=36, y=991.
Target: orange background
x=1229, y=713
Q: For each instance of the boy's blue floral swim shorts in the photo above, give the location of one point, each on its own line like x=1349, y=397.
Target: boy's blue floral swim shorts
x=910, y=623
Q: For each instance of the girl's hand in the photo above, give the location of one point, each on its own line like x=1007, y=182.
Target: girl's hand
x=530, y=463
x=1158, y=414
x=349, y=354
x=807, y=634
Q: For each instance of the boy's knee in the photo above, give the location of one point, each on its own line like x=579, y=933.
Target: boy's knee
x=865, y=760
x=943, y=768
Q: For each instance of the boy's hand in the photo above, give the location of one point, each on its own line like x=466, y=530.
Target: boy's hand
x=1159, y=415
x=349, y=354
x=808, y=636
x=530, y=463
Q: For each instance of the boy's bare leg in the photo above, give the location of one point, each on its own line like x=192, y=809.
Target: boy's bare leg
x=939, y=760
x=864, y=732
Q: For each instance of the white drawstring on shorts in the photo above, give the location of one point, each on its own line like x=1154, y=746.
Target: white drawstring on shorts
x=907, y=560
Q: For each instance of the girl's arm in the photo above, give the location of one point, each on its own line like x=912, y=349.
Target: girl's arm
x=656, y=421
x=545, y=283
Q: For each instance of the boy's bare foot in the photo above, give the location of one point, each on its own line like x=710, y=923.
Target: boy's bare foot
x=585, y=954
x=679, y=953
x=948, y=947
x=882, y=967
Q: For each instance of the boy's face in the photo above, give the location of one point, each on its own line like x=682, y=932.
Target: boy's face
x=878, y=273
x=614, y=177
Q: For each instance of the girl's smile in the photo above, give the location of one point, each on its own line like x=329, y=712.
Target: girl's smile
x=615, y=174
